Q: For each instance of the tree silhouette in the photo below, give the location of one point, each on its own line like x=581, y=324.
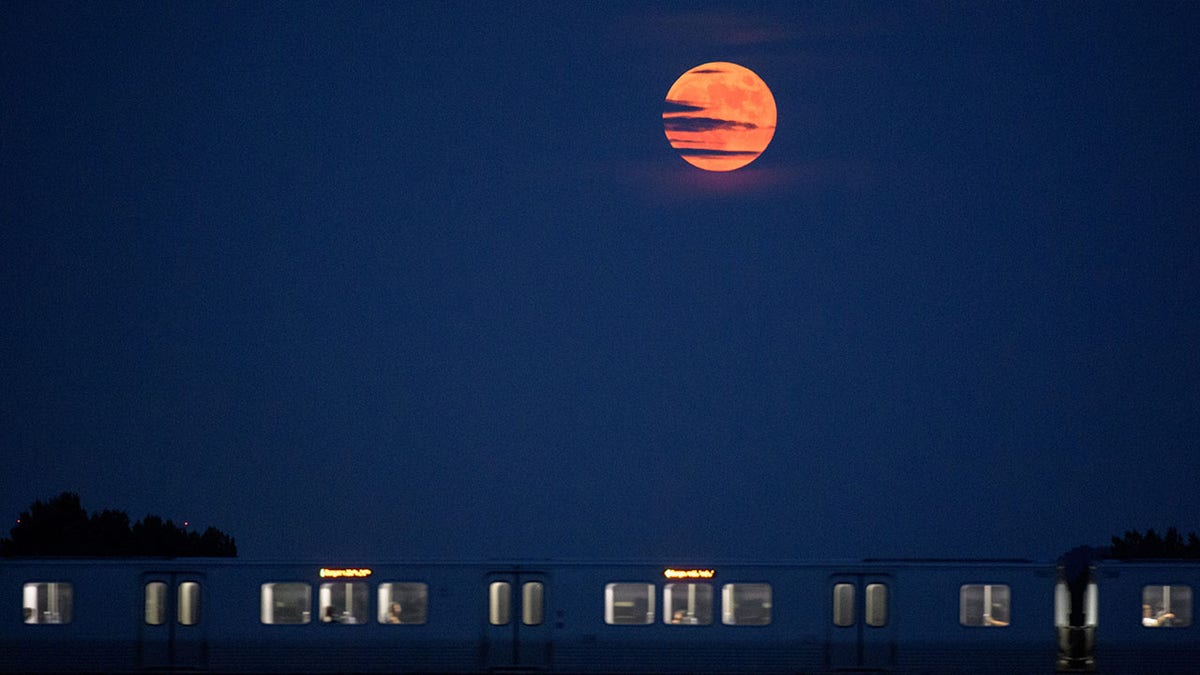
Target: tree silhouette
x=61, y=527
x=1135, y=545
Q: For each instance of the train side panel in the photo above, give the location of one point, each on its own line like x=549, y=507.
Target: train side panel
x=632, y=618
x=445, y=638
x=975, y=618
x=76, y=616
x=1146, y=617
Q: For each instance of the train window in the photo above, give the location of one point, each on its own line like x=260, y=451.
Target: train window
x=843, y=605
x=343, y=602
x=1166, y=606
x=48, y=603
x=499, y=602
x=984, y=605
x=877, y=605
x=188, y=609
x=289, y=603
x=156, y=603
x=403, y=603
x=629, y=604
x=688, y=604
x=531, y=603
x=746, y=604
x=1062, y=605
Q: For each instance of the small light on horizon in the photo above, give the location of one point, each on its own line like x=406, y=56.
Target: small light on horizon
x=186, y=523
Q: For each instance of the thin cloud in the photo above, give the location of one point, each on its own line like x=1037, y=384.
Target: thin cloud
x=673, y=106
x=706, y=152
x=701, y=124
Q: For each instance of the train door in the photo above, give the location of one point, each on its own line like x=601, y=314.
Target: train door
x=861, y=636
x=172, y=631
x=517, y=633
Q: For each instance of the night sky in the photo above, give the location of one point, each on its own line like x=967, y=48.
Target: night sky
x=364, y=281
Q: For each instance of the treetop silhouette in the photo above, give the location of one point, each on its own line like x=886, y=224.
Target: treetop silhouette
x=1135, y=545
x=61, y=527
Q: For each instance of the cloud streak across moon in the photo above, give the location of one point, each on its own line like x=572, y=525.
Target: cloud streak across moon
x=720, y=116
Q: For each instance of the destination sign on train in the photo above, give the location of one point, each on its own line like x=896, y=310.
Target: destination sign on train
x=344, y=572
x=672, y=573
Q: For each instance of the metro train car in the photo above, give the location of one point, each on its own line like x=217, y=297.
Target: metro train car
x=1144, y=619
x=206, y=615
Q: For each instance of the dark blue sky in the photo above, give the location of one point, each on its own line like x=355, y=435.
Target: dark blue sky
x=368, y=280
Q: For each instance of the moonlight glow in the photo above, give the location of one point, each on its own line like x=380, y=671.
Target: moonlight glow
x=720, y=116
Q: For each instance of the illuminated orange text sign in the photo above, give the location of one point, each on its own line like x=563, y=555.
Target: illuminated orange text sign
x=345, y=572
x=671, y=573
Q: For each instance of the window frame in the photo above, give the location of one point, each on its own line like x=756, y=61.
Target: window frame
x=1167, y=590
x=306, y=613
x=382, y=606
x=63, y=592
x=729, y=604
x=610, y=590
x=692, y=590
x=986, y=590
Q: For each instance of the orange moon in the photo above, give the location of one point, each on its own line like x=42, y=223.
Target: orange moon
x=720, y=116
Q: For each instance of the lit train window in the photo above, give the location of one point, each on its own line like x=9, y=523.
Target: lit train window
x=499, y=602
x=48, y=603
x=629, y=604
x=1062, y=605
x=343, y=602
x=984, y=605
x=188, y=609
x=289, y=603
x=531, y=603
x=877, y=607
x=403, y=603
x=688, y=604
x=843, y=605
x=746, y=604
x=1166, y=606
x=156, y=603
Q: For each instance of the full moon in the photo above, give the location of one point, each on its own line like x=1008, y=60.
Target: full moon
x=720, y=116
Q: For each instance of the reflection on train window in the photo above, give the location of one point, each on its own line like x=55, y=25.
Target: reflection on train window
x=48, y=603
x=156, y=603
x=1166, y=606
x=984, y=605
x=629, y=604
x=343, y=602
x=188, y=613
x=688, y=604
x=531, y=603
x=843, y=605
x=403, y=603
x=746, y=604
x=499, y=602
x=288, y=603
x=877, y=609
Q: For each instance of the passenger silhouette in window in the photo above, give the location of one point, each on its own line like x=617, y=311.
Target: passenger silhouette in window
x=1152, y=619
x=330, y=615
x=393, y=614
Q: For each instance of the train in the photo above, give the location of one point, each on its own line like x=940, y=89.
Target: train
x=668, y=616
